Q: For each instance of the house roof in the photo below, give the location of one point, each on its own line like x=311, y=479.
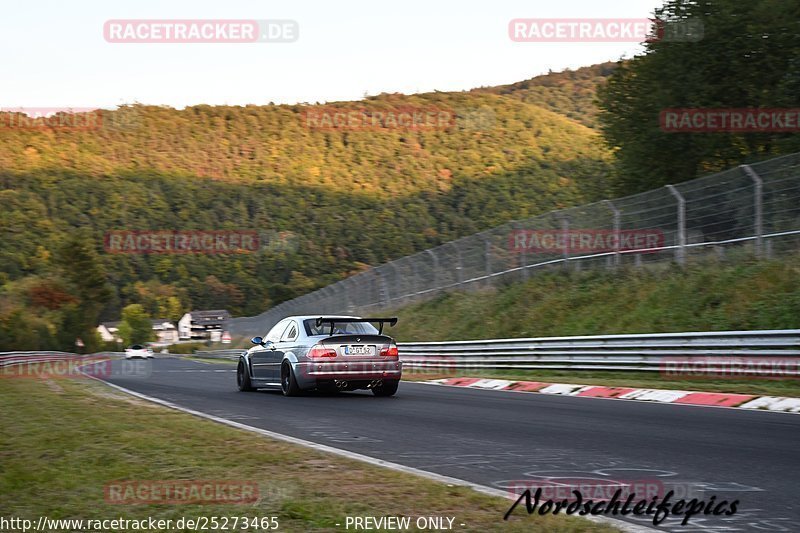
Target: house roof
x=213, y=315
x=108, y=325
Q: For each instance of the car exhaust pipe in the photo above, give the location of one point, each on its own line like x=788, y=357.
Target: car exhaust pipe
x=375, y=383
x=341, y=384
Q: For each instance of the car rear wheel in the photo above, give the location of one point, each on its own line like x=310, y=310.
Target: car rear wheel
x=243, y=378
x=387, y=388
x=289, y=385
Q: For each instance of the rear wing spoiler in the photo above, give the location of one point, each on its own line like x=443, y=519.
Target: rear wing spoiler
x=332, y=320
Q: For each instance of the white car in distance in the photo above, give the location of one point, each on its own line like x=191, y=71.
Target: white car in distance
x=137, y=351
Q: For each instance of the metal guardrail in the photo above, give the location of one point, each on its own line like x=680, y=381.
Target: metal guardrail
x=718, y=351
x=12, y=358
x=232, y=354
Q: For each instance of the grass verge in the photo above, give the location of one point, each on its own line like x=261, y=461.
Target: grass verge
x=62, y=441
x=709, y=295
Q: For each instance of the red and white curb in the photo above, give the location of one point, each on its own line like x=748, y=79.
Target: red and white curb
x=713, y=399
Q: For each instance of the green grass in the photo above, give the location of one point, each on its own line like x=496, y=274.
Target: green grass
x=712, y=296
x=61, y=441
x=709, y=296
x=186, y=347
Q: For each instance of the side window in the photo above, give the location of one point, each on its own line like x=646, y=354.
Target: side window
x=274, y=334
x=291, y=332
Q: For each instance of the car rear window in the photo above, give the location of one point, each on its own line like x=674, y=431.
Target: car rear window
x=344, y=328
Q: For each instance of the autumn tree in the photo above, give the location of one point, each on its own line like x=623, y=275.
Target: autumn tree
x=135, y=327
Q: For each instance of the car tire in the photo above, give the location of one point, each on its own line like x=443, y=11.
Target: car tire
x=387, y=388
x=289, y=386
x=243, y=378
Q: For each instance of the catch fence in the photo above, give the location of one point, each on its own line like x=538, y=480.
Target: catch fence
x=742, y=212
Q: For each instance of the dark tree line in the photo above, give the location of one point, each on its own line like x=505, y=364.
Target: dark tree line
x=748, y=57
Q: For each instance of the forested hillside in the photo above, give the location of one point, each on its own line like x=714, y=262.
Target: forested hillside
x=333, y=199
x=571, y=93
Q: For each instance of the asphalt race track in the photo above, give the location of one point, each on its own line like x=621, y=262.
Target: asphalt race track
x=496, y=438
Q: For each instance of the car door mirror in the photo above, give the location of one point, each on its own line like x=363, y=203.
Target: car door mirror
x=269, y=345
x=257, y=340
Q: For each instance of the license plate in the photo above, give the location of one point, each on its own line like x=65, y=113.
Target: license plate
x=359, y=350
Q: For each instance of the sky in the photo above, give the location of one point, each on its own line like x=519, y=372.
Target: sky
x=53, y=52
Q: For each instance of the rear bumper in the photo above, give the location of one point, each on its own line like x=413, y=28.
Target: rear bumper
x=308, y=374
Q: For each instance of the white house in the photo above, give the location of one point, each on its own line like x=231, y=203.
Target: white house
x=165, y=330
x=203, y=325
x=109, y=332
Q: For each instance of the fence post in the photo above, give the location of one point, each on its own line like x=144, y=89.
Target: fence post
x=565, y=236
x=355, y=288
x=523, y=255
x=415, y=278
x=459, y=278
x=680, y=252
x=394, y=286
x=488, y=256
x=323, y=300
x=333, y=304
x=374, y=294
x=435, y=284
x=617, y=223
x=460, y=267
x=383, y=289
x=360, y=287
x=348, y=300
x=354, y=299
x=335, y=298
x=758, y=206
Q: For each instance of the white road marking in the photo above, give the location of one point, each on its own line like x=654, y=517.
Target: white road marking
x=619, y=524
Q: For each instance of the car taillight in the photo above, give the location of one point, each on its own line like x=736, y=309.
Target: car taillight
x=391, y=351
x=320, y=351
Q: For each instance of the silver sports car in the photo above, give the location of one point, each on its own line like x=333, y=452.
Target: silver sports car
x=324, y=353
